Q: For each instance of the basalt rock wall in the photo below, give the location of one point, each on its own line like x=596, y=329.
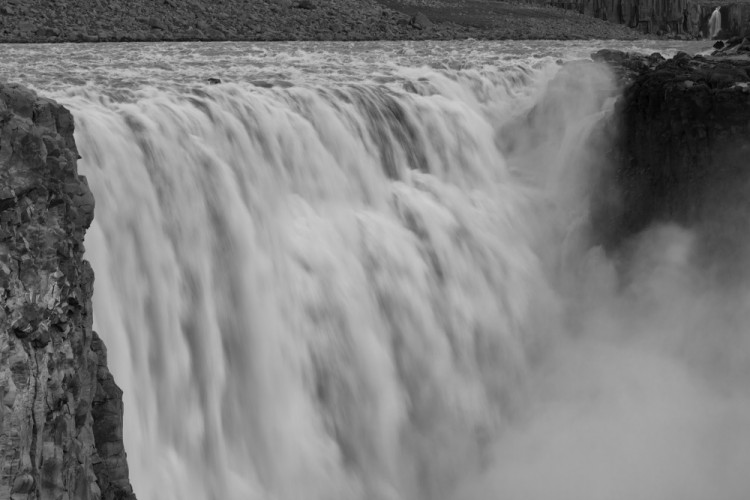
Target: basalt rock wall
x=684, y=150
x=676, y=17
x=60, y=410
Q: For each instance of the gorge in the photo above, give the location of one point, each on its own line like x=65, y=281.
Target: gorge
x=452, y=271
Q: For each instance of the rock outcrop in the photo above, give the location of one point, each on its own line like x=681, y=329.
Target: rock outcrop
x=627, y=66
x=733, y=47
x=684, y=144
x=60, y=410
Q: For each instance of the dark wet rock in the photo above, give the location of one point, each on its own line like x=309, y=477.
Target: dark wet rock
x=106, y=410
x=214, y=81
x=52, y=366
x=683, y=151
x=627, y=65
x=734, y=46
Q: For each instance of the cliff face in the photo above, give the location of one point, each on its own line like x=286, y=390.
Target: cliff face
x=684, y=147
x=60, y=411
x=180, y=20
x=686, y=17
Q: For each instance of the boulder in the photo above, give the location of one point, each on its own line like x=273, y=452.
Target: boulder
x=215, y=34
x=733, y=46
x=157, y=23
x=420, y=21
x=194, y=34
x=48, y=31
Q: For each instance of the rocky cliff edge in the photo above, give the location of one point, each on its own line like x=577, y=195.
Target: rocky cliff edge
x=60, y=410
x=683, y=153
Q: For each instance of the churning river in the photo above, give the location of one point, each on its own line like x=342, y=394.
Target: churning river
x=367, y=272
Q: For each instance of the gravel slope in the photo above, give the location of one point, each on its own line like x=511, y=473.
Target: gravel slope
x=152, y=20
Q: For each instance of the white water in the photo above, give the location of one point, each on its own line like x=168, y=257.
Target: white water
x=714, y=23
x=372, y=280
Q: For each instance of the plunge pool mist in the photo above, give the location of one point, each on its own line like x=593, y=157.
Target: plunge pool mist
x=367, y=271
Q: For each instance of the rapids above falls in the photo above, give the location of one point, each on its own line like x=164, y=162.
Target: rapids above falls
x=368, y=272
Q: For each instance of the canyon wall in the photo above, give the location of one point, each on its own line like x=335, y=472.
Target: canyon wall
x=60, y=410
x=682, y=157
x=677, y=17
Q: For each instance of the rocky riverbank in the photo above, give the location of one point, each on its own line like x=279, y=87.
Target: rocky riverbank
x=23, y=21
x=60, y=410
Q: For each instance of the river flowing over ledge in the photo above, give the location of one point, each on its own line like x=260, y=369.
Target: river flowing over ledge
x=386, y=272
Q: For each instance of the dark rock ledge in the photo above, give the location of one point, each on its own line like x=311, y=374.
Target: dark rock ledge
x=682, y=153
x=60, y=410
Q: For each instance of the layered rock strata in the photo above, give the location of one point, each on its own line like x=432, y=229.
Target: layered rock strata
x=60, y=410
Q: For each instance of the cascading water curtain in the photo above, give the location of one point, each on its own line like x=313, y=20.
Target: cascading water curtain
x=329, y=292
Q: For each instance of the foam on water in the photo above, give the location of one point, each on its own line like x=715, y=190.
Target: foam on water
x=60, y=68
x=375, y=278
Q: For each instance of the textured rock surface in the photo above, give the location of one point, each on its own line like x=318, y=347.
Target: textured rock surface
x=60, y=411
x=733, y=47
x=684, y=149
x=216, y=20
x=627, y=66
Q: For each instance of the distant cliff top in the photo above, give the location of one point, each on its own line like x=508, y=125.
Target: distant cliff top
x=154, y=20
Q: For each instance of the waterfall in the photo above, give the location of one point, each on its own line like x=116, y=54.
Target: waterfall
x=341, y=291
x=714, y=23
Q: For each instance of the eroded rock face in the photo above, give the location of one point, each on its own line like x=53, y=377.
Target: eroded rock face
x=60, y=411
x=675, y=17
x=685, y=155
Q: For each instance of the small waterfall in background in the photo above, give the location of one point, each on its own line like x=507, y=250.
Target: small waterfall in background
x=379, y=292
